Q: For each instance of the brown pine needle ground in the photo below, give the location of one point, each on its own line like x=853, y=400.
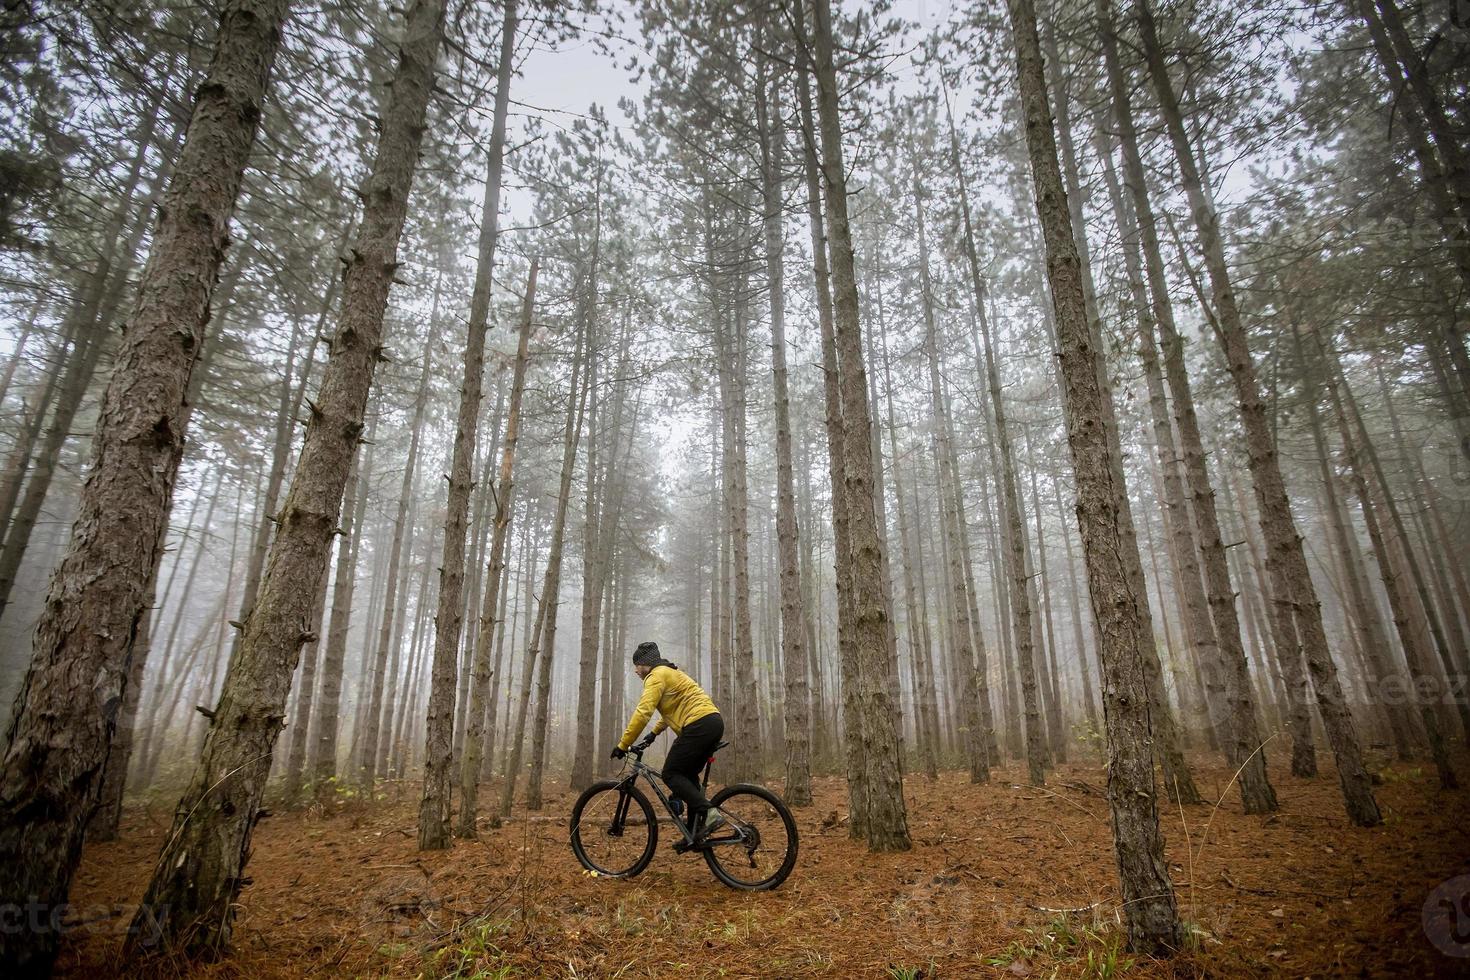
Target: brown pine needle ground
x=1005, y=880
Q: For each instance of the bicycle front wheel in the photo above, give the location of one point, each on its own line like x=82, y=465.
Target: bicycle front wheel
x=756, y=848
x=614, y=832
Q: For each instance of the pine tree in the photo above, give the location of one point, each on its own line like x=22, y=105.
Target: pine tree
x=434, y=810
x=1149, y=911
x=60, y=735
x=200, y=872
x=1285, y=559
x=871, y=712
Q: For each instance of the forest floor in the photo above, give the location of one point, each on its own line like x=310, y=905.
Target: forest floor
x=983, y=892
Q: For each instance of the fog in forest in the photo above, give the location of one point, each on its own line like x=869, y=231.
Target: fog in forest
x=980, y=402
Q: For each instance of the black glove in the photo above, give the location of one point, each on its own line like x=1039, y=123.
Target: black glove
x=619, y=752
x=645, y=742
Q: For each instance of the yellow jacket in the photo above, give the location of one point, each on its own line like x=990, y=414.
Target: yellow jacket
x=678, y=699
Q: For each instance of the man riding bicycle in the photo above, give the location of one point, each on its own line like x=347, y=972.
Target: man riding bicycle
x=683, y=706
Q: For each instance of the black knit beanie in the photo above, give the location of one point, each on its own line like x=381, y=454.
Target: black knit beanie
x=647, y=654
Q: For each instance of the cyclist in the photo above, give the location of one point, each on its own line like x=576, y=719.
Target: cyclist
x=683, y=706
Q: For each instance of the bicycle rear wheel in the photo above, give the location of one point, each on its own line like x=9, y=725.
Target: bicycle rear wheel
x=614, y=832
x=756, y=849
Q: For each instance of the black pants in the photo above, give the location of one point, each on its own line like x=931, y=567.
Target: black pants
x=687, y=756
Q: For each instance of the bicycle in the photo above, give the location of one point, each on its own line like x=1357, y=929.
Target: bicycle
x=614, y=831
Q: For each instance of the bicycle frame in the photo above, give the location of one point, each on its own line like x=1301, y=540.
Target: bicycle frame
x=654, y=780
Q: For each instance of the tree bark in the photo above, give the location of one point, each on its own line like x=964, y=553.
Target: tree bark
x=60, y=733
x=371, y=749
x=322, y=763
x=545, y=620
x=491, y=609
x=1381, y=674
x=872, y=722
x=796, y=703
x=1149, y=911
x=1399, y=600
x=1285, y=559
x=200, y=873
x=434, y=809
x=836, y=438
x=1213, y=631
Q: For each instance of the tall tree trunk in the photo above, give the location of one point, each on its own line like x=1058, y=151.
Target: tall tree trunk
x=1285, y=558
x=551, y=596
x=962, y=628
x=86, y=329
x=61, y=731
x=999, y=573
x=872, y=718
x=822, y=733
x=492, y=605
x=546, y=606
x=1149, y=911
x=1338, y=387
x=730, y=344
x=1015, y=555
x=926, y=718
x=880, y=513
x=1399, y=600
x=1381, y=673
x=370, y=754
x=1213, y=631
x=611, y=681
x=276, y=477
x=796, y=703
x=1056, y=720
x=506, y=634
x=322, y=764
x=594, y=576
x=402, y=752
x=1084, y=667
x=480, y=550
x=434, y=809
x=605, y=507
x=1178, y=781
x=199, y=875
x=857, y=786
